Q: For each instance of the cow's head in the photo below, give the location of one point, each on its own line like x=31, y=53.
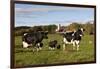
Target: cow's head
x=80, y=31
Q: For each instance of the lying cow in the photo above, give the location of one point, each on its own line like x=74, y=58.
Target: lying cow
x=35, y=39
x=53, y=44
x=73, y=38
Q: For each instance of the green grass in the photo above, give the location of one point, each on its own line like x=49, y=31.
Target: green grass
x=24, y=57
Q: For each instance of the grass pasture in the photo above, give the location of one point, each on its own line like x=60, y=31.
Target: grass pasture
x=24, y=57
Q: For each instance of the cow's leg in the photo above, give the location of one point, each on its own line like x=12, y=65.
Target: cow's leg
x=34, y=46
x=41, y=45
x=38, y=47
x=53, y=48
x=64, y=46
x=77, y=47
x=77, y=43
x=50, y=48
x=73, y=45
x=33, y=49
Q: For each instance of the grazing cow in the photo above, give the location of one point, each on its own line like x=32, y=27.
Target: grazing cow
x=73, y=38
x=53, y=44
x=34, y=38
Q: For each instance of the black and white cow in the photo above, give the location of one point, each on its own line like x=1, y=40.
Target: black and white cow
x=53, y=44
x=73, y=38
x=35, y=39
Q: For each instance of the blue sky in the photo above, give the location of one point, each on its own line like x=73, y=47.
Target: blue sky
x=31, y=15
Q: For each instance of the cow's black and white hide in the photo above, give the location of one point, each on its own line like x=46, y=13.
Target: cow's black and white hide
x=73, y=38
x=34, y=39
x=53, y=44
x=38, y=46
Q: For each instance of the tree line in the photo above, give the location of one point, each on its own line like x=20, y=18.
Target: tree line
x=89, y=28
x=23, y=29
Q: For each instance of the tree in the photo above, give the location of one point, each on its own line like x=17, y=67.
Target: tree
x=89, y=28
x=74, y=26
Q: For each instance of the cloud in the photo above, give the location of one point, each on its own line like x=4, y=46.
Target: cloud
x=47, y=9
x=29, y=10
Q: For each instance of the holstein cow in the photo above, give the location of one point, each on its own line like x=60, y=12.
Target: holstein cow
x=53, y=44
x=73, y=38
x=35, y=39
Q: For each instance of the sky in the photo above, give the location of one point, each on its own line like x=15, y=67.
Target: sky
x=34, y=15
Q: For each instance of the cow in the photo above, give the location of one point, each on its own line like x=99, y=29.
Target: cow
x=73, y=37
x=34, y=39
x=53, y=44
